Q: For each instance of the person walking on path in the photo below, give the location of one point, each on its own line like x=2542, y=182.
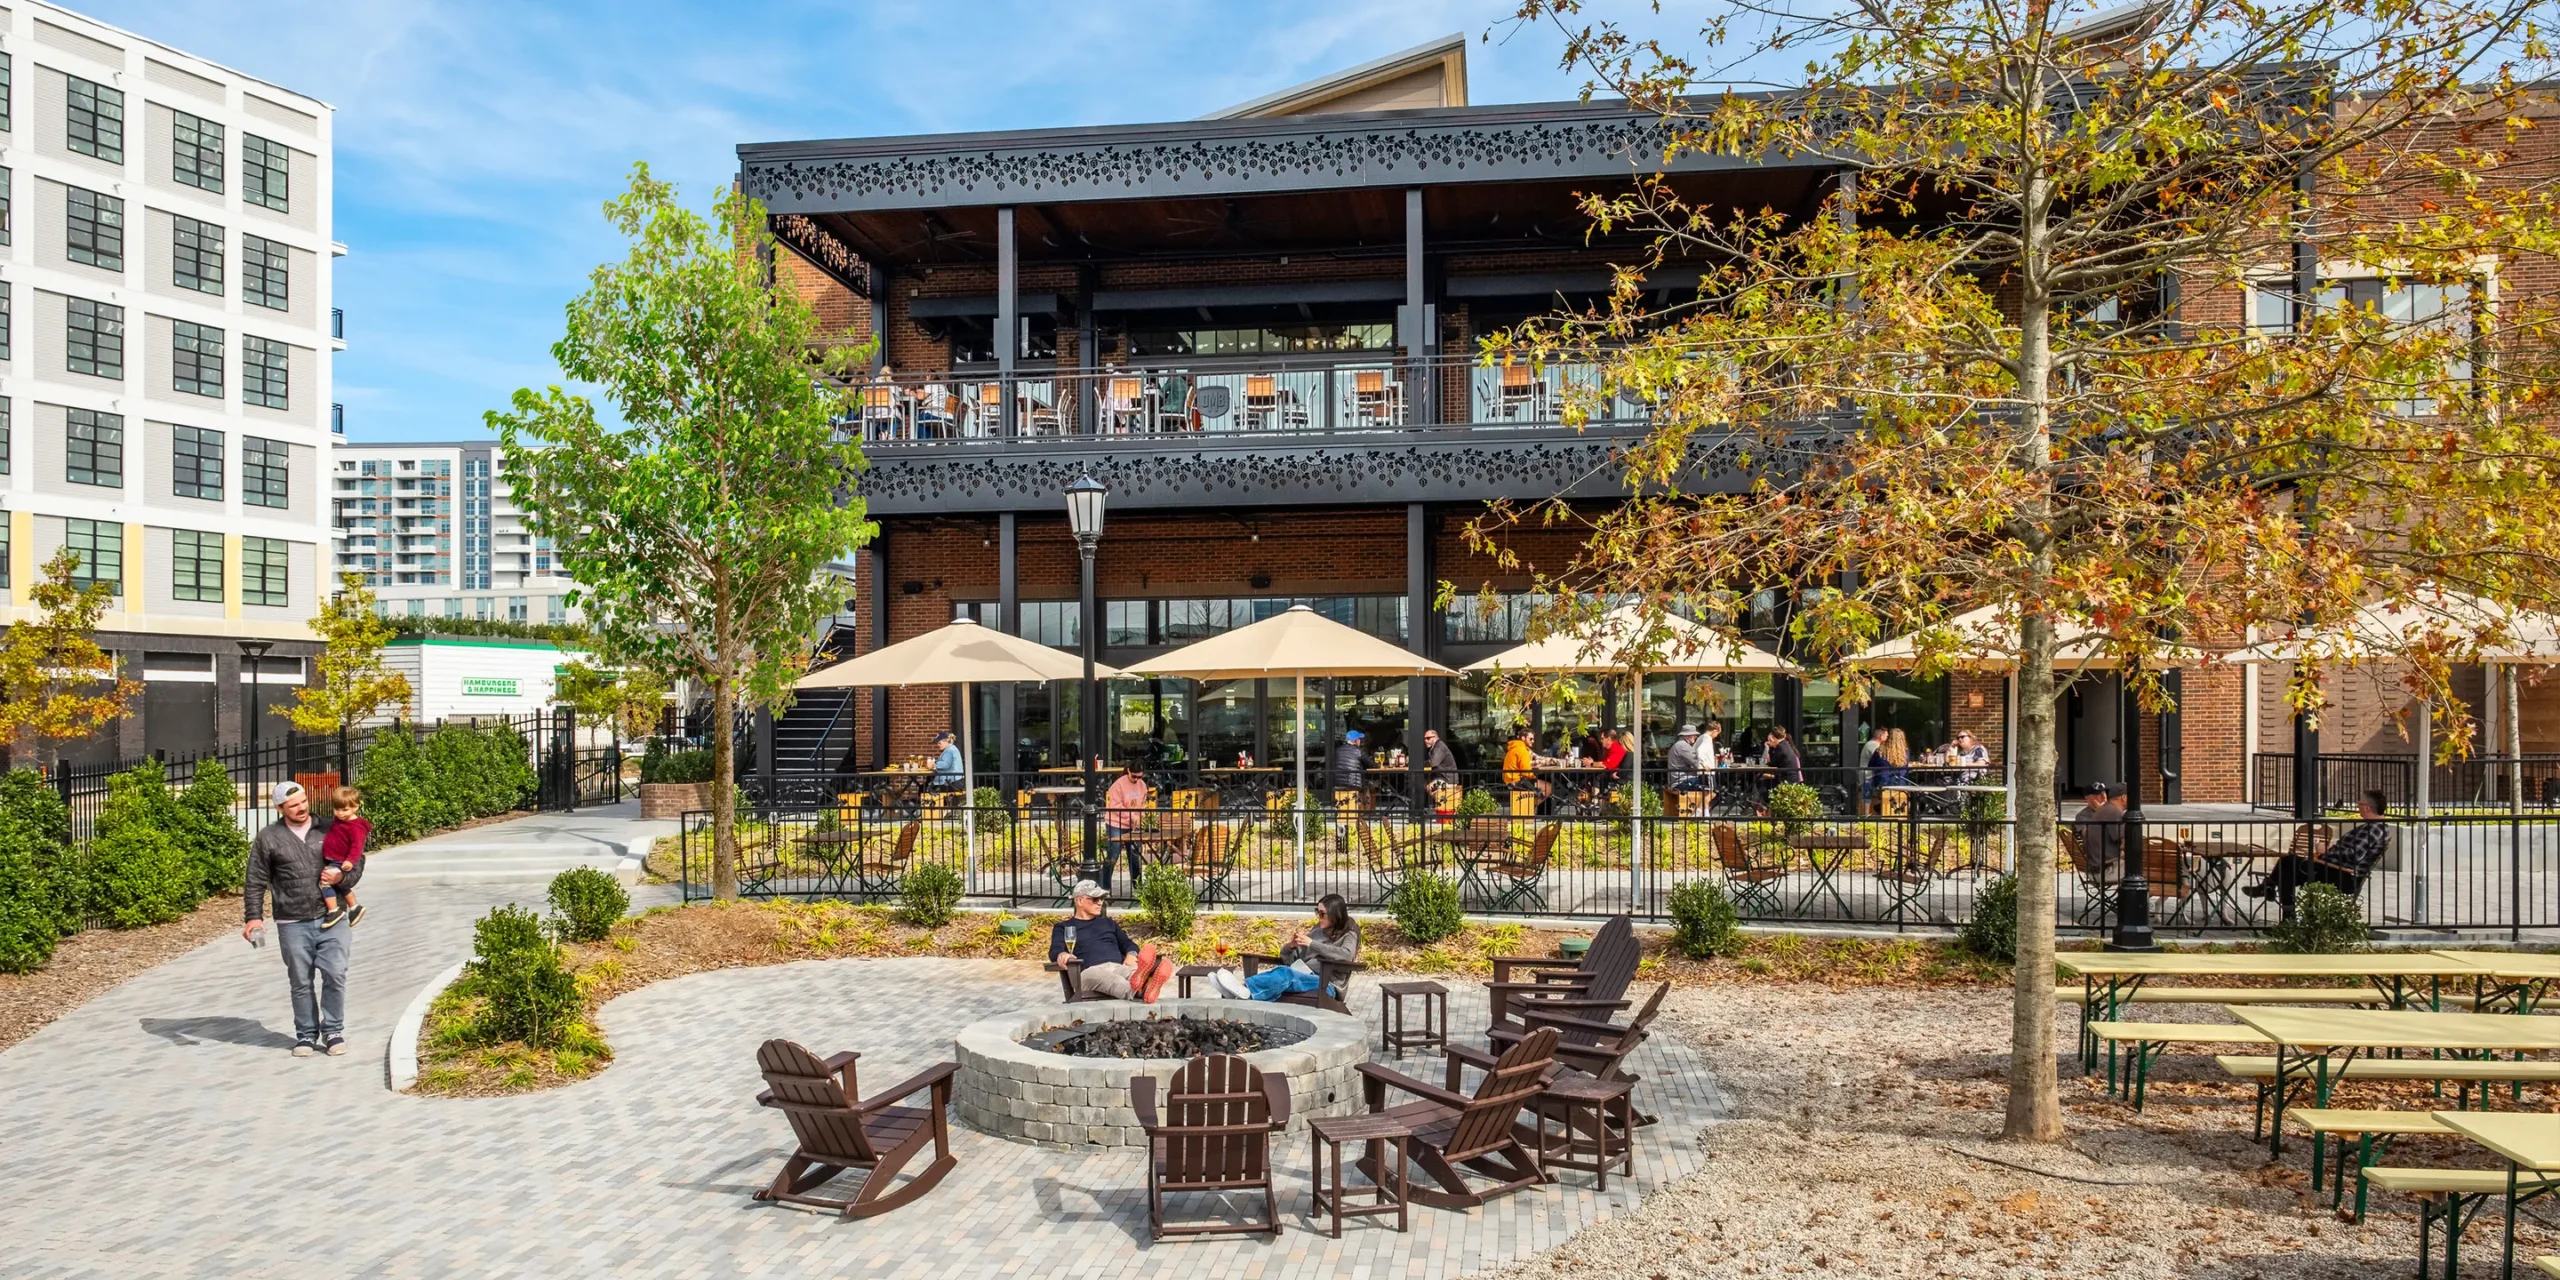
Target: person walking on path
x=285, y=862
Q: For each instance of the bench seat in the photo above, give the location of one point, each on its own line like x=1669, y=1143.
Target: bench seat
x=2496, y=1070
x=2253, y=995
x=2180, y=1032
x=2363, y=1137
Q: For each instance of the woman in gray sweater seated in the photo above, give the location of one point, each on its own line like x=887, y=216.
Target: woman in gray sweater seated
x=1333, y=935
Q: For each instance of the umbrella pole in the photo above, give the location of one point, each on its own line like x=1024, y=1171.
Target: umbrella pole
x=968, y=788
x=1635, y=795
x=1301, y=824
x=2426, y=767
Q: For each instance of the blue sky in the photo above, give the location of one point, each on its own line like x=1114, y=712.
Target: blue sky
x=477, y=138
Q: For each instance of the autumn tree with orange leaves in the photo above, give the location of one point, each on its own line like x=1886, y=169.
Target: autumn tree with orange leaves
x=56, y=684
x=2066, y=341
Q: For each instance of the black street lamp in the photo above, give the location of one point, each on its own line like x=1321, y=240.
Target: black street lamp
x=1085, y=498
x=253, y=654
x=2133, y=892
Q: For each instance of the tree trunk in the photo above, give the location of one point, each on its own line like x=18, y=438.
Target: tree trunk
x=2035, y=1104
x=724, y=790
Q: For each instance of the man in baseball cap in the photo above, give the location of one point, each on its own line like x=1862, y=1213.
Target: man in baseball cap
x=1101, y=954
x=285, y=863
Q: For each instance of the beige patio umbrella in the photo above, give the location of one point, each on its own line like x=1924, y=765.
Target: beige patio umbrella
x=961, y=653
x=1298, y=643
x=1624, y=640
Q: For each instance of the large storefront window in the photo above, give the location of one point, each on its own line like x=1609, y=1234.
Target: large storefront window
x=1917, y=707
x=1746, y=704
x=1150, y=721
x=1227, y=714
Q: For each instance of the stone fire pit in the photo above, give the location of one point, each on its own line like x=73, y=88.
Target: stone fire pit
x=1031, y=1093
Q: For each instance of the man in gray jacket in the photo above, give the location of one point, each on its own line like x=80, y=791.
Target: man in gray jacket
x=285, y=861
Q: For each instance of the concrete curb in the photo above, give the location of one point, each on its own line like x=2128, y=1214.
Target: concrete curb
x=403, y=1060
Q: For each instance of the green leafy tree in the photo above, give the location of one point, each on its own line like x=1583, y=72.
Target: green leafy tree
x=354, y=685
x=56, y=684
x=2054, y=342
x=699, y=527
x=627, y=698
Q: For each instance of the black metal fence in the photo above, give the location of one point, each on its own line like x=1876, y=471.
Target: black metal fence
x=567, y=773
x=1915, y=871
x=2529, y=781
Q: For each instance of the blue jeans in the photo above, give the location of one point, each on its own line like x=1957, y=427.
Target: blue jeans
x=1271, y=984
x=1114, y=848
x=309, y=949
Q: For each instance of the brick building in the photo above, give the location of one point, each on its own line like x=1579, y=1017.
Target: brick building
x=1259, y=329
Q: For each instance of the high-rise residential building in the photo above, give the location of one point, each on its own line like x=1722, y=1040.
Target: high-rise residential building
x=165, y=336
x=435, y=531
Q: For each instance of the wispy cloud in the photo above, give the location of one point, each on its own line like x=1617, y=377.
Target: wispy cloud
x=476, y=139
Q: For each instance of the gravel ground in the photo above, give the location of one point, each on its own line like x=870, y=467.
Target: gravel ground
x=93, y=960
x=1852, y=1110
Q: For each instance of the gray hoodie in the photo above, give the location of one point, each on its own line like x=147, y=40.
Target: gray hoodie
x=287, y=866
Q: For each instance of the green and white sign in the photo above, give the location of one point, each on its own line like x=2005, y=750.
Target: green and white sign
x=488, y=686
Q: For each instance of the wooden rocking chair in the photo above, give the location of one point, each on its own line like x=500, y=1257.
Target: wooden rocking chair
x=1597, y=1049
x=1456, y=1134
x=836, y=1133
x=1214, y=1136
x=1593, y=987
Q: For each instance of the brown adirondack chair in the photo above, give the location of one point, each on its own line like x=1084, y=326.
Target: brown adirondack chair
x=1598, y=1049
x=1332, y=976
x=1214, y=1135
x=1456, y=1134
x=836, y=1133
x=1593, y=987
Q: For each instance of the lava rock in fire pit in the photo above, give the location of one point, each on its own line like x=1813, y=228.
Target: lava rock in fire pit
x=1182, y=1037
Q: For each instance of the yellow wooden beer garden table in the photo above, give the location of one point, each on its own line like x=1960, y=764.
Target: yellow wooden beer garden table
x=2109, y=979
x=2314, y=1046
x=2530, y=1144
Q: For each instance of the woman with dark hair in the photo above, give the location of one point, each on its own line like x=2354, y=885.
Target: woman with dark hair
x=1332, y=935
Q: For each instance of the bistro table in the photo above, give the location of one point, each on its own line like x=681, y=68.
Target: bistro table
x=2219, y=860
x=2530, y=1144
x=2314, y=1045
x=2110, y=978
x=1814, y=846
x=1473, y=842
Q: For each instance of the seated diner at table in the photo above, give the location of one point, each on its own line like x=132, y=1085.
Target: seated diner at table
x=1966, y=751
x=2343, y=865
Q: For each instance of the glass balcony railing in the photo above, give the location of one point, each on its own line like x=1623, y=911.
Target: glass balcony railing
x=1231, y=397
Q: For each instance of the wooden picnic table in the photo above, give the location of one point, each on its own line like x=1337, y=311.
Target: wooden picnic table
x=2509, y=981
x=2109, y=979
x=2530, y=1144
x=2314, y=1045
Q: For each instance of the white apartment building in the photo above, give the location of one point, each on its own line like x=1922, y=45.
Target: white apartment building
x=165, y=337
x=435, y=530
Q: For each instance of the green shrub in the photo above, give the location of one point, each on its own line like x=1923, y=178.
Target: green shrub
x=1478, y=802
x=585, y=903
x=1283, y=810
x=992, y=815
x=527, y=994
x=1426, y=908
x=394, y=780
x=2326, y=920
x=928, y=893
x=1168, y=899
x=209, y=833
x=1793, y=803
x=138, y=872
x=1650, y=797
x=39, y=880
x=660, y=764
x=1704, y=922
x=1992, y=931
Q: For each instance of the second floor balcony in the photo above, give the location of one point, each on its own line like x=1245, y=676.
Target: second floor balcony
x=1232, y=401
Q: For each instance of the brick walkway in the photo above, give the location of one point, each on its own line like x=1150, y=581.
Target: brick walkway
x=162, y=1130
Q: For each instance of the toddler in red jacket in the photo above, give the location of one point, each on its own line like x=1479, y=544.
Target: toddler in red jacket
x=343, y=848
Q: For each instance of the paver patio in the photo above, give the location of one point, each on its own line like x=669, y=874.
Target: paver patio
x=162, y=1129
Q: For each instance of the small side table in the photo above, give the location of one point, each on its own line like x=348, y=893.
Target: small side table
x=1575, y=1097
x=1186, y=973
x=1378, y=1131
x=1394, y=1036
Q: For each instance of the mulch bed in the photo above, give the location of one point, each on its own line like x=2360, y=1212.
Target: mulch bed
x=90, y=962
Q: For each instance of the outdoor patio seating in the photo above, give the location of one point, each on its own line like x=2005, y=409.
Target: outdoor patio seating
x=1592, y=1047
x=2097, y=889
x=883, y=860
x=1209, y=857
x=1909, y=879
x=1393, y=855
x=1752, y=877
x=835, y=1133
x=1213, y=1135
x=1515, y=878
x=1594, y=986
x=1333, y=981
x=1457, y=1134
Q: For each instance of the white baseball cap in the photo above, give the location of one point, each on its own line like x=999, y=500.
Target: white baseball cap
x=282, y=792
